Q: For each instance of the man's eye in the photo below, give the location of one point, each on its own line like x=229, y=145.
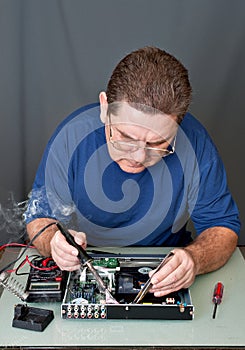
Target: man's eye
x=128, y=140
x=157, y=145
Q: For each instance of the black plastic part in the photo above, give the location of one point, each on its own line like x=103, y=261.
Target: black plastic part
x=32, y=318
x=146, y=312
x=82, y=253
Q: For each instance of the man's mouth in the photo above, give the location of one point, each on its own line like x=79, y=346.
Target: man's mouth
x=134, y=164
x=138, y=165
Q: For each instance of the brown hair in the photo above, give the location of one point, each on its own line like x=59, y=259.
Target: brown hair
x=151, y=77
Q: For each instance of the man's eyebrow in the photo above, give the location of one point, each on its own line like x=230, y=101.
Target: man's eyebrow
x=123, y=133
x=149, y=143
x=157, y=142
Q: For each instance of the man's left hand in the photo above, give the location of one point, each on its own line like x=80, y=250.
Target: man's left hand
x=179, y=272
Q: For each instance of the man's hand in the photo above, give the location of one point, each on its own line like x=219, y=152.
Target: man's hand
x=208, y=252
x=64, y=254
x=178, y=272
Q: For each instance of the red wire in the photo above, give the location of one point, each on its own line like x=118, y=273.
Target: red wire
x=20, y=266
x=32, y=265
x=14, y=245
x=7, y=245
x=41, y=268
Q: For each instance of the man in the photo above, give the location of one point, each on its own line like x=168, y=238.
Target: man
x=132, y=171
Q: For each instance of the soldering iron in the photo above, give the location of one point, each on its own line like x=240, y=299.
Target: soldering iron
x=87, y=260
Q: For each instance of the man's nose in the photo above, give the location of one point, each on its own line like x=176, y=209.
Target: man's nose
x=139, y=155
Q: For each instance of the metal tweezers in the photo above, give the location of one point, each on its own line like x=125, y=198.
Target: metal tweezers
x=148, y=284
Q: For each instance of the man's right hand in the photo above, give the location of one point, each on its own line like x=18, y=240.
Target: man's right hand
x=64, y=254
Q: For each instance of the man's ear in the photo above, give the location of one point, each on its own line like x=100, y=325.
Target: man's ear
x=103, y=106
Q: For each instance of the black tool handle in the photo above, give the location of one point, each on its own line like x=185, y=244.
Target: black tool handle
x=70, y=239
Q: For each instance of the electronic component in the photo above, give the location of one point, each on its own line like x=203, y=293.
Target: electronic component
x=124, y=277
x=87, y=261
x=32, y=318
x=46, y=282
x=217, y=296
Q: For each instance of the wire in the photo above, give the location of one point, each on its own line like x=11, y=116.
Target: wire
x=19, y=267
x=54, y=267
x=35, y=257
x=29, y=245
x=13, y=245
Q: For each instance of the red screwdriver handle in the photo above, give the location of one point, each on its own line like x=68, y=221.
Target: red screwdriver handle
x=218, y=293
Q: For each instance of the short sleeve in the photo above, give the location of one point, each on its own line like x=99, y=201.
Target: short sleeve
x=215, y=205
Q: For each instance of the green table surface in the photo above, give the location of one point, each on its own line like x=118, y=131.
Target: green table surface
x=227, y=330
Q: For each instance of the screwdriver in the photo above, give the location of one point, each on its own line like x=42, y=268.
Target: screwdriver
x=217, y=296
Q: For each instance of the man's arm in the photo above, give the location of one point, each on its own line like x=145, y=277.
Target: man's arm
x=208, y=252
x=42, y=243
x=52, y=243
x=212, y=248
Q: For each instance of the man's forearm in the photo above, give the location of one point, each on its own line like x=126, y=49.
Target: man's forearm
x=42, y=243
x=212, y=248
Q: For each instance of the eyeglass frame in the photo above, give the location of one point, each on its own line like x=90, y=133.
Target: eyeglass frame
x=146, y=148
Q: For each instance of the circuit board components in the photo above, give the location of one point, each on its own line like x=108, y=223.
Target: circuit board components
x=123, y=277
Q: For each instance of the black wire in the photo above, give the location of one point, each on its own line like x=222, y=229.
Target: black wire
x=20, y=265
x=28, y=245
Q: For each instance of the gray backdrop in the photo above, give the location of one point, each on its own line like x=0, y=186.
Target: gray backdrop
x=57, y=55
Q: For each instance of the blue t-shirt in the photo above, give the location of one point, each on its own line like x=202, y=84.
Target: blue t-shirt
x=79, y=184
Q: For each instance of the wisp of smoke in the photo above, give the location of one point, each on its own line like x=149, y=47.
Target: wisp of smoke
x=12, y=225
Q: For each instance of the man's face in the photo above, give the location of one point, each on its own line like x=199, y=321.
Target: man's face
x=137, y=140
